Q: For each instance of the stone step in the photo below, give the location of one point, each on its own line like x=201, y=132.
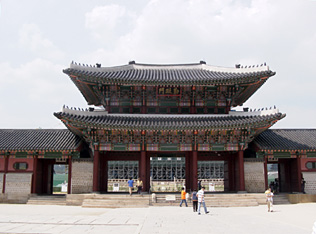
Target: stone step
x=280, y=199
x=47, y=200
x=112, y=206
x=46, y=203
x=99, y=201
x=212, y=204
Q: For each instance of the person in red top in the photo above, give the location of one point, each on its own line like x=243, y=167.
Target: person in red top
x=183, y=199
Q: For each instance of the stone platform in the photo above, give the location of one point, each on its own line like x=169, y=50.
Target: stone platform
x=290, y=219
x=121, y=200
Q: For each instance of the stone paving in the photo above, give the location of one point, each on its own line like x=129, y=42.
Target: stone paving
x=296, y=219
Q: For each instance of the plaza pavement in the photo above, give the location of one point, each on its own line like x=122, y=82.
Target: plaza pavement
x=296, y=219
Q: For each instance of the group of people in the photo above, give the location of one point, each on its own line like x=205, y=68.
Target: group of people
x=198, y=197
x=197, y=200
x=139, y=185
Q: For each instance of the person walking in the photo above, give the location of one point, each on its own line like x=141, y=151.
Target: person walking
x=201, y=200
x=194, y=201
x=183, y=198
x=269, y=196
x=303, y=185
x=130, y=186
x=139, y=186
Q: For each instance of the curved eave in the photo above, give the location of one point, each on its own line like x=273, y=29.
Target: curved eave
x=118, y=122
x=286, y=140
x=186, y=77
x=250, y=89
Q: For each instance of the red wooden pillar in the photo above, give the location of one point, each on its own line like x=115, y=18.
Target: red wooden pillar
x=96, y=162
x=266, y=172
x=6, y=161
x=34, y=178
x=69, y=175
x=231, y=175
x=299, y=173
x=187, y=171
x=142, y=169
x=147, y=184
x=241, y=170
x=194, y=170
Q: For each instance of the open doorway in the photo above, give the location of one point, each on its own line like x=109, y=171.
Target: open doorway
x=211, y=175
x=119, y=172
x=167, y=172
x=273, y=176
x=60, y=179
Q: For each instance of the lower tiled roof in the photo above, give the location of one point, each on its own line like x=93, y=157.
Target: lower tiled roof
x=287, y=139
x=38, y=139
x=168, y=122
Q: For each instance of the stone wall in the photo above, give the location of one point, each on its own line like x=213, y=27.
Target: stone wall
x=254, y=175
x=310, y=185
x=18, y=187
x=82, y=176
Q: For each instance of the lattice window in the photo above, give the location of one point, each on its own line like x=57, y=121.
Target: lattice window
x=210, y=170
x=167, y=168
x=122, y=169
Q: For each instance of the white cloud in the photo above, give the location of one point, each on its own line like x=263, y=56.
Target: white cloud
x=32, y=39
x=106, y=23
x=222, y=32
x=32, y=92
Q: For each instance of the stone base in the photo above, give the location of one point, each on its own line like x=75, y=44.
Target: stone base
x=301, y=198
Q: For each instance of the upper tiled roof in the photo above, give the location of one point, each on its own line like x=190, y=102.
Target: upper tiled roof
x=287, y=139
x=38, y=139
x=167, y=122
x=177, y=74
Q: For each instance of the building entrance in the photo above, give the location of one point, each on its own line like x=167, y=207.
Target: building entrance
x=51, y=177
x=119, y=172
x=211, y=175
x=60, y=179
x=273, y=177
x=167, y=172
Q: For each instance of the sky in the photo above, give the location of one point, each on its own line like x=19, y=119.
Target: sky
x=40, y=38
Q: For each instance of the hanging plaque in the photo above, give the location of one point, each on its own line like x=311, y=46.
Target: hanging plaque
x=168, y=91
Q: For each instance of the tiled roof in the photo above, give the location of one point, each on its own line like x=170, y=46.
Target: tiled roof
x=287, y=139
x=167, y=122
x=180, y=74
x=38, y=139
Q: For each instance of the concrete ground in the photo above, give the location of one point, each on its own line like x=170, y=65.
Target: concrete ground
x=298, y=218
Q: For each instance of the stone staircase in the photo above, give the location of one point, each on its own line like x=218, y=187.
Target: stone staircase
x=280, y=199
x=116, y=201
x=47, y=200
x=218, y=200
x=145, y=200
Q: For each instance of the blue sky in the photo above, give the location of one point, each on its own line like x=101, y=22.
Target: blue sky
x=40, y=38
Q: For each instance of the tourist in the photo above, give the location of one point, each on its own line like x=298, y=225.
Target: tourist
x=194, y=201
x=139, y=186
x=183, y=198
x=303, y=185
x=201, y=200
x=272, y=186
x=276, y=186
x=130, y=186
x=199, y=185
x=269, y=196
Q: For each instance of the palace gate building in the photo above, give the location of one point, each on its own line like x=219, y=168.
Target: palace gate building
x=170, y=125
